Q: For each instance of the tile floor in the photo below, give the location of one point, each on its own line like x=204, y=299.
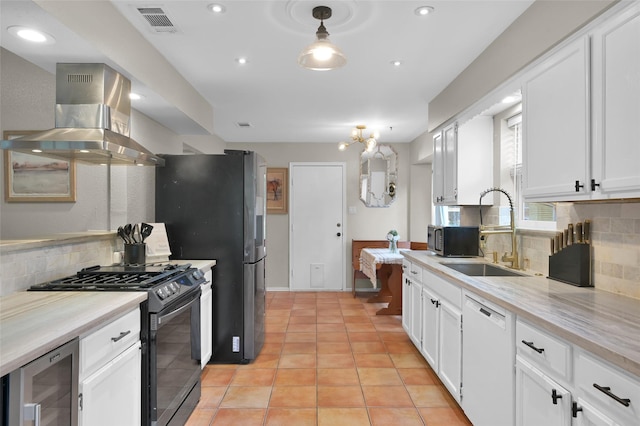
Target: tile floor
x=327, y=360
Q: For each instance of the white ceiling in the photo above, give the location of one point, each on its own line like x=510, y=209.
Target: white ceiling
x=282, y=101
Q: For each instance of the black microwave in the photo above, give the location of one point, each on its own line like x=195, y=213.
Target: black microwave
x=454, y=241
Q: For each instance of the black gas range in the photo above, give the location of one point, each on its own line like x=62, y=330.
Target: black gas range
x=164, y=282
x=170, y=331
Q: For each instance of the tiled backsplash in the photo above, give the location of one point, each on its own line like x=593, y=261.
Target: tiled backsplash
x=615, y=240
x=23, y=268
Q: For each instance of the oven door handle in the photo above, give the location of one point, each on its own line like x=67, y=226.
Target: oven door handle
x=176, y=312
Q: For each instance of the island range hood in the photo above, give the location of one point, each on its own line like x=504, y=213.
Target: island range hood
x=93, y=115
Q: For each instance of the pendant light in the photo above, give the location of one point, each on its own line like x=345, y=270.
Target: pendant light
x=322, y=55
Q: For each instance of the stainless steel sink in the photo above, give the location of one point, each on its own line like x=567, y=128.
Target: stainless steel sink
x=482, y=270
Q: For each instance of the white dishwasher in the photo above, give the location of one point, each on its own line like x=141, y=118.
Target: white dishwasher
x=206, y=319
x=487, y=363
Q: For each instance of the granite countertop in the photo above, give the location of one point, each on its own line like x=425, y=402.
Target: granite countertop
x=603, y=323
x=36, y=322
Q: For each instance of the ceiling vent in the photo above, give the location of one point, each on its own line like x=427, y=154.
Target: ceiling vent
x=157, y=19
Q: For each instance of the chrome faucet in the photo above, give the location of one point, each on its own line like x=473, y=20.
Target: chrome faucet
x=502, y=229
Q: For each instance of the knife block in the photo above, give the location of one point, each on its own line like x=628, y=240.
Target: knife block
x=572, y=265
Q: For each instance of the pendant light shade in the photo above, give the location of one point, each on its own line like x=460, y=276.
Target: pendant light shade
x=322, y=55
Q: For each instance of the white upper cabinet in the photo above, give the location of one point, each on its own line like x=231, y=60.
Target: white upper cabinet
x=581, y=116
x=463, y=162
x=555, y=122
x=616, y=105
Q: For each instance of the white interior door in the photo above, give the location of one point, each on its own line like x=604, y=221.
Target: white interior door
x=317, y=229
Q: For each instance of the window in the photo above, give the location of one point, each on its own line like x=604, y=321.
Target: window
x=541, y=216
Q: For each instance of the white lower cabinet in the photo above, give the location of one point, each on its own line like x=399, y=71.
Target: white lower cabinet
x=539, y=399
x=605, y=392
x=110, y=388
x=442, y=330
x=112, y=395
x=412, y=301
x=587, y=415
x=206, y=319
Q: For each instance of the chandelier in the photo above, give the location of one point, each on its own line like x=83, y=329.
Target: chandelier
x=322, y=55
x=356, y=136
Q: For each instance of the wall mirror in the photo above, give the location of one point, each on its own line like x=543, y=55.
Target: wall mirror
x=378, y=176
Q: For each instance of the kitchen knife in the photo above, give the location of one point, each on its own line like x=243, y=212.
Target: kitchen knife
x=557, y=242
x=565, y=233
x=552, y=245
x=579, y=232
x=570, y=229
x=561, y=238
x=586, y=231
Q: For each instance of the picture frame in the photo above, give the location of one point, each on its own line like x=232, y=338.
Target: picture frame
x=31, y=178
x=277, y=190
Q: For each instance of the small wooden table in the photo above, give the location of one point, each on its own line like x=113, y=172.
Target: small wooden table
x=380, y=263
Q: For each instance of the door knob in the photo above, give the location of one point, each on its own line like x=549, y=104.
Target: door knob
x=338, y=234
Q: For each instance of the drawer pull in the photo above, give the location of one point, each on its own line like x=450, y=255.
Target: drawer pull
x=435, y=302
x=555, y=397
x=530, y=344
x=122, y=334
x=607, y=391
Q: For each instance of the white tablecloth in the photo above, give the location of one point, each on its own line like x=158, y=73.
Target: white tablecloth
x=370, y=257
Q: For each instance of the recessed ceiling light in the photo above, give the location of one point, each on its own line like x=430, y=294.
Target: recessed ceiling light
x=31, y=34
x=242, y=60
x=396, y=63
x=423, y=10
x=216, y=8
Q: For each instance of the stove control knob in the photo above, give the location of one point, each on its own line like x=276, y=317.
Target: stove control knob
x=160, y=293
x=197, y=274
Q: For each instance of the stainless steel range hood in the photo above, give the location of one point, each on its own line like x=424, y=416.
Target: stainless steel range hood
x=93, y=115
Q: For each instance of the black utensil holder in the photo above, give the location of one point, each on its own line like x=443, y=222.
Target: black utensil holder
x=572, y=265
x=135, y=254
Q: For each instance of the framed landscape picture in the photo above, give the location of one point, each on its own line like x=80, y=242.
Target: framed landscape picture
x=277, y=182
x=32, y=178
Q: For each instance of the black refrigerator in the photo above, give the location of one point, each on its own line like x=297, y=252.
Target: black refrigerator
x=214, y=207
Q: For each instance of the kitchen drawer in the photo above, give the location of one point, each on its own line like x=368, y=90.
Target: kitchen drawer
x=623, y=388
x=415, y=272
x=406, y=266
x=104, y=344
x=446, y=290
x=545, y=350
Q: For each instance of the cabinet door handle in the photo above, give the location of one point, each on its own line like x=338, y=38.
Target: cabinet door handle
x=122, y=334
x=578, y=186
x=575, y=409
x=607, y=391
x=435, y=302
x=555, y=396
x=530, y=344
x=594, y=185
